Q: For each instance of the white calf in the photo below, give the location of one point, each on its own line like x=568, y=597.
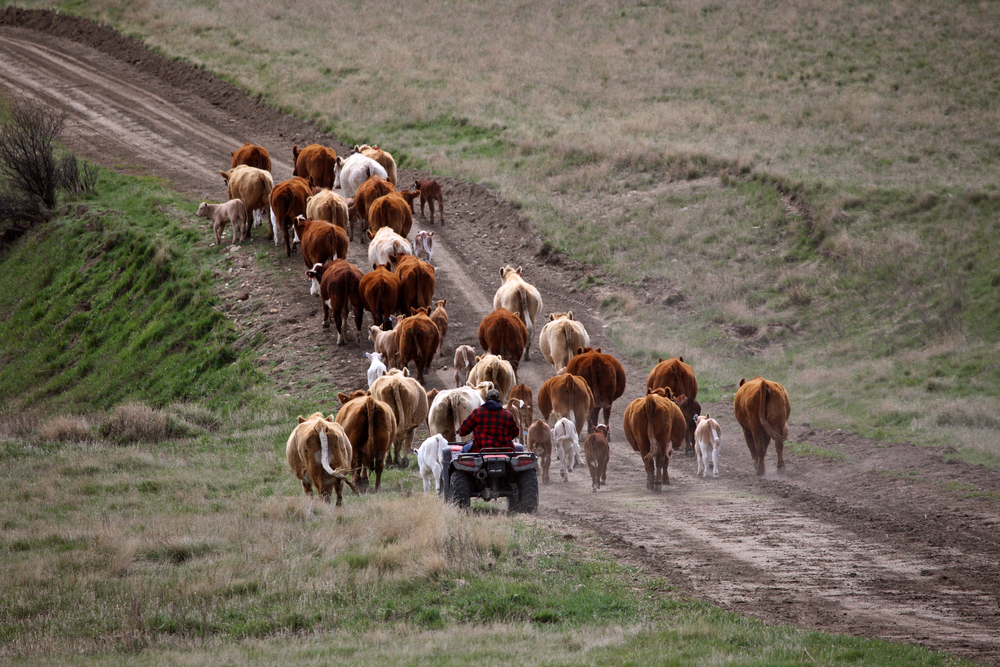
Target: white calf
x=565, y=445
x=423, y=245
x=377, y=369
x=465, y=359
x=430, y=461
x=707, y=443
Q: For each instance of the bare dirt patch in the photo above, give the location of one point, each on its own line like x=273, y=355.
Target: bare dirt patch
x=855, y=536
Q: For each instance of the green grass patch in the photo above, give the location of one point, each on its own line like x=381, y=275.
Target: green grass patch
x=806, y=449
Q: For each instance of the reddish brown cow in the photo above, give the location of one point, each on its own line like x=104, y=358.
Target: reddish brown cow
x=762, y=408
x=440, y=317
x=379, y=291
x=504, y=334
x=315, y=163
x=288, y=201
x=568, y=396
x=539, y=441
x=417, y=341
x=408, y=196
x=370, y=425
x=649, y=428
x=339, y=281
x=390, y=211
x=596, y=453
x=677, y=375
x=321, y=241
x=430, y=192
x=689, y=408
x=417, y=279
x=367, y=193
x=252, y=156
x=604, y=375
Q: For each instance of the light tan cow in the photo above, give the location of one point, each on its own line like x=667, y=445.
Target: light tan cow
x=491, y=368
x=253, y=187
x=319, y=454
x=465, y=359
x=561, y=338
x=521, y=298
x=384, y=158
x=452, y=406
x=327, y=205
x=385, y=344
x=408, y=401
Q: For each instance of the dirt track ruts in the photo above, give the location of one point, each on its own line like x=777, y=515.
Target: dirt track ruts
x=890, y=541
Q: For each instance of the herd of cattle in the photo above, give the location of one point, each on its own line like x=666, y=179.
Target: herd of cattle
x=376, y=426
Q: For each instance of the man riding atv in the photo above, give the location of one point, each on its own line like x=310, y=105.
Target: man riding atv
x=493, y=427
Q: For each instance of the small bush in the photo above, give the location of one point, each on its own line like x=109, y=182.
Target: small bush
x=135, y=422
x=27, y=156
x=64, y=428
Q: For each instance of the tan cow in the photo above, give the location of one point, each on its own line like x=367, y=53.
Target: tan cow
x=417, y=341
x=451, y=407
x=370, y=426
x=596, y=453
x=522, y=394
x=465, y=359
x=386, y=243
x=561, y=338
x=762, y=408
x=253, y=187
x=384, y=158
x=328, y=206
x=319, y=454
x=520, y=298
x=408, y=401
x=385, y=344
x=649, y=428
x=439, y=317
x=491, y=368
x=566, y=396
x=503, y=333
x=539, y=441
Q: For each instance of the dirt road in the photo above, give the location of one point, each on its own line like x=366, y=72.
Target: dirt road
x=861, y=537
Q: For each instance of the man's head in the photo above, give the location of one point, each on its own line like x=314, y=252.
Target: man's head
x=493, y=395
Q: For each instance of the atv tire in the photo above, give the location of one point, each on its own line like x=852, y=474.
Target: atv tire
x=527, y=485
x=461, y=490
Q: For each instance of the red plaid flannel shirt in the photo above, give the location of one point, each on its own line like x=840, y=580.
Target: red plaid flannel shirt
x=494, y=427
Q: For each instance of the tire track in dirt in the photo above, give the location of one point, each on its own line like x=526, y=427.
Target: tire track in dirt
x=838, y=545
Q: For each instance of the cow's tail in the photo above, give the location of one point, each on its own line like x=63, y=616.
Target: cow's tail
x=274, y=224
x=765, y=396
x=522, y=303
x=324, y=441
x=453, y=411
x=399, y=403
x=656, y=449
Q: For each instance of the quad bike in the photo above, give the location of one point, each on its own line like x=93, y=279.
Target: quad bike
x=490, y=474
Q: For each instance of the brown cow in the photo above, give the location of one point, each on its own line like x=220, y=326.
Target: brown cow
x=327, y=205
x=417, y=280
x=319, y=454
x=568, y=396
x=367, y=193
x=430, y=192
x=320, y=240
x=539, y=441
x=649, y=428
x=690, y=408
x=379, y=291
x=504, y=334
x=288, y=201
x=522, y=392
x=417, y=341
x=251, y=156
x=604, y=375
x=315, y=163
x=440, y=317
x=408, y=401
x=390, y=211
x=762, y=408
x=371, y=428
x=677, y=375
x=338, y=283
x=384, y=158
x=596, y=453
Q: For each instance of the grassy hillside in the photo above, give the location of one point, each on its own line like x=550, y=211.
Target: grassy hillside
x=808, y=183
x=113, y=301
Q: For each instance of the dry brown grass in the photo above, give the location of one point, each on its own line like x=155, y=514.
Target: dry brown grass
x=65, y=428
x=135, y=422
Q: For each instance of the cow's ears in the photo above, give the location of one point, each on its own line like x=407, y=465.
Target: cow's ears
x=374, y=266
x=503, y=270
x=413, y=311
x=331, y=418
x=369, y=233
x=598, y=350
x=570, y=314
x=519, y=271
x=680, y=358
x=649, y=391
x=743, y=381
x=368, y=356
x=225, y=175
x=406, y=372
x=430, y=233
x=301, y=419
x=232, y=153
